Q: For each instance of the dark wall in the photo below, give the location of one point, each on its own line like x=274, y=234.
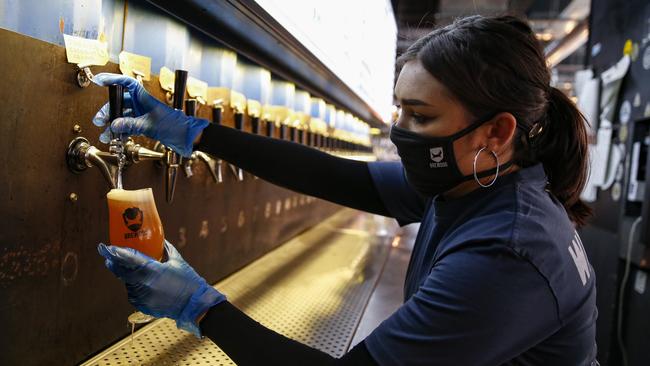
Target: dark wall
x=58, y=304
x=613, y=25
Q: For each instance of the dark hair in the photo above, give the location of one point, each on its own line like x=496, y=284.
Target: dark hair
x=495, y=64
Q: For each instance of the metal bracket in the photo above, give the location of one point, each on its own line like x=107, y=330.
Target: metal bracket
x=84, y=76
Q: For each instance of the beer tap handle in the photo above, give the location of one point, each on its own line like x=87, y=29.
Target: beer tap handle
x=115, y=101
x=239, y=120
x=239, y=124
x=255, y=125
x=136, y=153
x=213, y=165
x=172, y=164
x=269, y=128
x=180, y=85
x=116, y=146
x=173, y=160
x=293, y=133
x=191, y=106
x=283, y=131
x=217, y=111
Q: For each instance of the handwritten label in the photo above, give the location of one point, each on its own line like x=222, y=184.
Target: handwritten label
x=84, y=51
x=218, y=96
x=166, y=78
x=254, y=108
x=135, y=65
x=237, y=101
x=197, y=89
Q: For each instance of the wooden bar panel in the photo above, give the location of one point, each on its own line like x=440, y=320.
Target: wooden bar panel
x=58, y=304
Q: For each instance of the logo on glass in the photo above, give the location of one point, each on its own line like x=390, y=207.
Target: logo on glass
x=133, y=218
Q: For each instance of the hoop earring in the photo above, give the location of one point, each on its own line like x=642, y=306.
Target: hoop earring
x=496, y=174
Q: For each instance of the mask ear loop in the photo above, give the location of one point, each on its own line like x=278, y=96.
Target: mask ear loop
x=496, y=174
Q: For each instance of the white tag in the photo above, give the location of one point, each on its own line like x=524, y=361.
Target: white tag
x=197, y=89
x=84, y=51
x=135, y=65
x=166, y=79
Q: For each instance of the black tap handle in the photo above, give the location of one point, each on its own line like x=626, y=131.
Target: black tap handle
x=216, y=115
x=300, y=136
x=239, y=121
x=115, y=101
x=180, y=84
x=269, y=128
x=191, y=105
x=255, y=125
x=293, y=136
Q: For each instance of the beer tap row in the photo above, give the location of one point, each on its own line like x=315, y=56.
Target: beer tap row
x=290, y=115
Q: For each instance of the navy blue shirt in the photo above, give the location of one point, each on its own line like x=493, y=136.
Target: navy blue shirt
x=496, y=277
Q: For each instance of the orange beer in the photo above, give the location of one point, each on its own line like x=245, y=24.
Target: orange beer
x=134, y=221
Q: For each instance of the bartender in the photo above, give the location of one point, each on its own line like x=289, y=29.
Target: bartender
x=493, y=160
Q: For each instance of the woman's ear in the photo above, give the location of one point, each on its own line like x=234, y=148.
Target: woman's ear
x=500, y=131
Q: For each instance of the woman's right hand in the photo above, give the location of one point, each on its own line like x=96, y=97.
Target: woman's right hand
x=147, y=116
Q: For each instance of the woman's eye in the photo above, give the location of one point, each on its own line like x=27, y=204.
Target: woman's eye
x=420, y=119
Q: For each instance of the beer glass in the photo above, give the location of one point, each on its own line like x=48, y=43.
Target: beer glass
x=134, y=223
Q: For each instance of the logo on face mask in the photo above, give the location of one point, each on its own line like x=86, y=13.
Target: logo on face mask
x=437, y=155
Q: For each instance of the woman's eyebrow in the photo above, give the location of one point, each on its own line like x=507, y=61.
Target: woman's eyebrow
x=413, y=102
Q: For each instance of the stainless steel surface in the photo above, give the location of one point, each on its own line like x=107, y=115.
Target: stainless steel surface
x=136, y=153
x=84, y=76
x=389, y=293
x=236, y=172
x=313, y=289
x=211, y=164
x=81, y=155
x=172, y=162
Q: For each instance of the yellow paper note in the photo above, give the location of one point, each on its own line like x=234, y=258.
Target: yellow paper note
x=134, y=65
x=85, y=52
x=166, y=79
x=197, y=89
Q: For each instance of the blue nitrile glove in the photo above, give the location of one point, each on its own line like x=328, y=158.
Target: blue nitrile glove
x=146, y=115
x=171, y=289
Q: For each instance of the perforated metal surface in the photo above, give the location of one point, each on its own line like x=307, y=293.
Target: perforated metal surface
x=312, y=289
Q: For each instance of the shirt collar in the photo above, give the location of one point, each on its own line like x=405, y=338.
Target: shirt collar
x=446, y=207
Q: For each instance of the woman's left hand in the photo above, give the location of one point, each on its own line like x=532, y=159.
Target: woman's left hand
x=171, y=289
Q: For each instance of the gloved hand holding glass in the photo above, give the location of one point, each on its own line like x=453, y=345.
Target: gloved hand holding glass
x=146, y=115
x=169, y=289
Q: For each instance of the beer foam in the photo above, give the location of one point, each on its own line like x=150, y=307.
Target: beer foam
x=145, y=194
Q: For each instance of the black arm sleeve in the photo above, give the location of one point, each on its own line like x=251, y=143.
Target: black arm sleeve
x=247, y=342
x=296, y=167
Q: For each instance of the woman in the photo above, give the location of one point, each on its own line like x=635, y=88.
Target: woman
x=493, y=160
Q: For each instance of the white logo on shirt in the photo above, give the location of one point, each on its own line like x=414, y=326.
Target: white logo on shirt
x=577, y=252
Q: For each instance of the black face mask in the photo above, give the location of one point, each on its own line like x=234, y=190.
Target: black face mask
x=429, y=162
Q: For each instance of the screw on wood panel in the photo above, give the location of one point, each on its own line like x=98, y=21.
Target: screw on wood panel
x=73, y=197
x=76, y=129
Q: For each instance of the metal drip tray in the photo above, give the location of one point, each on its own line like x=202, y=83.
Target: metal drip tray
x=313, y=289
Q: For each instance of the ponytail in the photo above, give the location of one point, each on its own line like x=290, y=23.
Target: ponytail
x=562, y=147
